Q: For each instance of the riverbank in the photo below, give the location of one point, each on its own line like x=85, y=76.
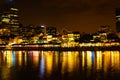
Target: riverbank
x=113, y=48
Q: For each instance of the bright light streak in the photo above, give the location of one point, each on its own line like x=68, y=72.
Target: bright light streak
x=42, y=26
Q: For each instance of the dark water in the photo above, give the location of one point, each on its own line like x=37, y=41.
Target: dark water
x=54, y=65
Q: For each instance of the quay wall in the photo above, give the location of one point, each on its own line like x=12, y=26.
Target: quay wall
x=110, y=48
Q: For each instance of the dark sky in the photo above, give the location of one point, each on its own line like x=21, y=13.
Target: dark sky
x=73, y=15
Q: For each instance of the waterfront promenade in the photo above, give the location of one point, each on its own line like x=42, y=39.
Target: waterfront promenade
x=59, y=48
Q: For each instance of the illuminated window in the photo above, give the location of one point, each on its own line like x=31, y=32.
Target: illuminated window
x=6, y=20
x=14, y=9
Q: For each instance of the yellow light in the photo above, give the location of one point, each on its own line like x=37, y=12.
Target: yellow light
x=6, y=20
x=8, y=56
x=19, y=57
x=99, y=60
x=115, y=59
x=14, y=9
x=36, y=57
x=49, y=62
x=89, y=59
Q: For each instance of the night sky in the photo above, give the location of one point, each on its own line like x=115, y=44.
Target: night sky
x=73, y=15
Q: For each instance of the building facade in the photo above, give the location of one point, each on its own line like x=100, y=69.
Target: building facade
x=9, y=20
x=51, y=31
x=118, y=19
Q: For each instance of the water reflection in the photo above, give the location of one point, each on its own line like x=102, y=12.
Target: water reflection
x=64, y=65
x=49, y=62
x=70, y=61
x=99, y=60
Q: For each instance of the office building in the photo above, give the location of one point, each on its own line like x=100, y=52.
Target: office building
x=9, y=20
x=51, y=31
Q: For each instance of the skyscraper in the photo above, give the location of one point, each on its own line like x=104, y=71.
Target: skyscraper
x=51, y=30
x=118, y=19
x=9, y=19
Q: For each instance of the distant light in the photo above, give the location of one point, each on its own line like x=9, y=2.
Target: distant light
x=42, y=26
x=118, y=16
x=14, y=9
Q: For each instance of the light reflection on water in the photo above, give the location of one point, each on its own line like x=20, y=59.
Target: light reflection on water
x=61, y=65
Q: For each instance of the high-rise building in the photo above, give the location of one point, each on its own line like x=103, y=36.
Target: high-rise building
x=51, y=31
x=118, y=19
x=9, y=19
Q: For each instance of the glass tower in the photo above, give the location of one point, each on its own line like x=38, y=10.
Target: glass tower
x=9, y=20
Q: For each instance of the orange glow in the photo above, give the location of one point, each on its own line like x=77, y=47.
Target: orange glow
x=99, y=60
x=56, y=59
x=35, y=53
x=106, y=60
x=69, y=61
x=83, y=59
x=89, y=59
x=115, y=59
x=49, y=62
x=64, y=62
x=8, y=58
x=20, y=58
x=36, y=57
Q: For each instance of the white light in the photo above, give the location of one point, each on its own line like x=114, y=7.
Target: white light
x=42, y=26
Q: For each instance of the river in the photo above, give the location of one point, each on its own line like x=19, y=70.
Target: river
x=59, y=65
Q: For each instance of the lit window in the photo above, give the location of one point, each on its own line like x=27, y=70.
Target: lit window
x=6, y=20
x=14, y=9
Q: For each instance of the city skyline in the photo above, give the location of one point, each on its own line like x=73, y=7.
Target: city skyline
x=74, y=15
